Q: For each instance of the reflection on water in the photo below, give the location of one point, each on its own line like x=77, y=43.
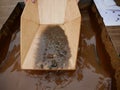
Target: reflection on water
x=15, y=41
x=92, y=41
x=89, y=75
x=84, y=78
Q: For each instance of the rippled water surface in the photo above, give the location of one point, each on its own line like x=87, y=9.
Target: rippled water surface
x=89, y=74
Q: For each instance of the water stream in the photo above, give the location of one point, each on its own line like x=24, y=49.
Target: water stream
x=89, y=74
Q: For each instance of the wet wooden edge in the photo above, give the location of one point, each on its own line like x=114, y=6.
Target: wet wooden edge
x=9, y=28
x=111, y=52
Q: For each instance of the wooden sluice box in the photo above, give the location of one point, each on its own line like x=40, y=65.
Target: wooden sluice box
x=50, y=31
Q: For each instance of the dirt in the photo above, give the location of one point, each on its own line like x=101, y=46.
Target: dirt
x=55, y=49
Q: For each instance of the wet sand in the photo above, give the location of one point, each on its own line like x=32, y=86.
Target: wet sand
x=90, y=73
x=53, y=51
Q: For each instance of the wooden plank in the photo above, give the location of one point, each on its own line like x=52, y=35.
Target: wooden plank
x=114, y=33
x=72, y=30
x=72, y=10
x=27, y=33
x=30, y=12
x=52, y=11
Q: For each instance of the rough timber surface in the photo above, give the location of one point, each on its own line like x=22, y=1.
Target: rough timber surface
x=114, y=33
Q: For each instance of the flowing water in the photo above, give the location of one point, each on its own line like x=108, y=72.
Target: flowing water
x=89, y=73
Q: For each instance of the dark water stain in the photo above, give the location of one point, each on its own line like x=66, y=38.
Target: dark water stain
x=102, y=53
x=117, y=2
x=89, y=74
x=54, y=51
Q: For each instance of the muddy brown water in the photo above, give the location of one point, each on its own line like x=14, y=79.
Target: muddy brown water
x=90, y=74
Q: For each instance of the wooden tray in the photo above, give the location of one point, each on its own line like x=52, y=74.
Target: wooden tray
x=34, y=23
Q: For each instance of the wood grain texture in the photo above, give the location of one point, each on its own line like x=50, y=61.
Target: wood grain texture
x=114, y=33
x=30, y=12
x=30, y=33
x=72, y=11
x=27, y=33
x=52, y=11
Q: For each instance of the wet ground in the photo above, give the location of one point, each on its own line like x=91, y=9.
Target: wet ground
x=90, y=73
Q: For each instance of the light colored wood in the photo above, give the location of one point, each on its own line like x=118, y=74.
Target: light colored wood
x=52, y=11
x=28, y=30
x=72, y=30
x=29, y=26
x=30, y=12
x=31, y=32
x=72, y=11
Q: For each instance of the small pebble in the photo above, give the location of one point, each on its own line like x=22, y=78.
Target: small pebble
x=41, y=66
x=117, y=19
x=113, y=11
x=54, y=63
x=49, y=56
